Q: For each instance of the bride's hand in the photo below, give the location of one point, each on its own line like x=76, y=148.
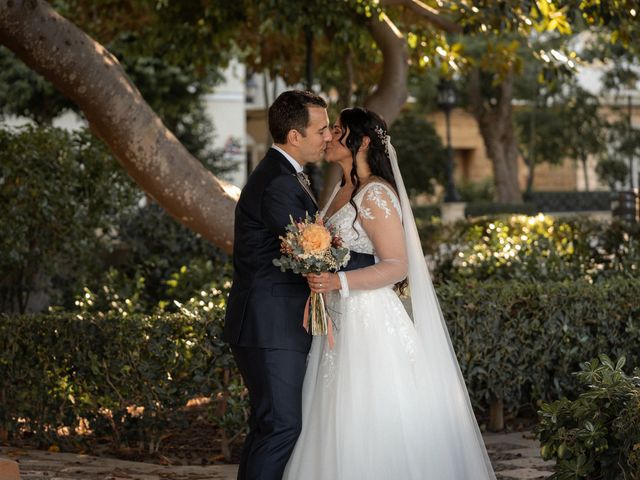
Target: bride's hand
x=323, y=282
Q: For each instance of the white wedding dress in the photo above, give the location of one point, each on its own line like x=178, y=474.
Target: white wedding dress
x=375, y=407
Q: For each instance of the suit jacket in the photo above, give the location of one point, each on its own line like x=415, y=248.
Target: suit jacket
x=265, y=305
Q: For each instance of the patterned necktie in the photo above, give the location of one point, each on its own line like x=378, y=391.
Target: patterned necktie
x=304, y=178
x=306, y=184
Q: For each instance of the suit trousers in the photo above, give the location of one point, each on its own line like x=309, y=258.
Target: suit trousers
x=274, y=378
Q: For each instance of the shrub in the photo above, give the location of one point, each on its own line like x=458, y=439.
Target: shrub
x=127, y=374
x=68, y=212
x=480, y=208
x=482, y=191
x=421, y=156
x=126, y=291
x=59, y=194
x=519, y=342
x=538, y=249
x=124, y=376
x=597, y=435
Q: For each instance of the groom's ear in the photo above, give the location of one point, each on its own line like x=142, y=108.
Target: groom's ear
x=293, y=137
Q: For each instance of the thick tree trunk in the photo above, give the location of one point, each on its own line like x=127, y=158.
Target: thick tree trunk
x=530, y=159
x=496, y=415
x=585, y=172
x=531, y=175
x=495, y=120
x=391, y=93
x=85, y=72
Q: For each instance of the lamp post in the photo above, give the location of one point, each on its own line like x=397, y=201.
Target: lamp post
x=630, y=127
x=446, y=102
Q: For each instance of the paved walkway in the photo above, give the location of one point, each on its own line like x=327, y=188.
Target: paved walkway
x=515, y=456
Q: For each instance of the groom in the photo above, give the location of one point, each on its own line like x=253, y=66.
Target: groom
x=265, y=308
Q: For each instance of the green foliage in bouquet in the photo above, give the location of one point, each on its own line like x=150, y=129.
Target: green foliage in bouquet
x=596, y=436
x=309, y=246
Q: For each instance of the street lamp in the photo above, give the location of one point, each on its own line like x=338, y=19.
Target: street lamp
x=446, y=102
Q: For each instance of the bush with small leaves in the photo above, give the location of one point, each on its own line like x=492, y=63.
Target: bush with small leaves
x=597, y=435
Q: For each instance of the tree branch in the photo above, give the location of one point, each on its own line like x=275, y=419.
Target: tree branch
x=431, y=14
x=391, y=93
x=85, y=72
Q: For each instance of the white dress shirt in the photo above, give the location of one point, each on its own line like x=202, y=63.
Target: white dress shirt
x=292, y=160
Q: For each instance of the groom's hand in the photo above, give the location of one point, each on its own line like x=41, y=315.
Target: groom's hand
x=323, y=282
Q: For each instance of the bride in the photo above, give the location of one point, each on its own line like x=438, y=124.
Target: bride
x=388, y=401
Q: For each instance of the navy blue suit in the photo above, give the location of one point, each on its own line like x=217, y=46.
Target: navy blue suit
x=264, y=314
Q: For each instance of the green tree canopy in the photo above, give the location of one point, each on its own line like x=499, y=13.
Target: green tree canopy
x=201, y=34
x=421, y=156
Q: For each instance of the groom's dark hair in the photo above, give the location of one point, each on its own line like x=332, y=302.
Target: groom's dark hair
x=289, y=112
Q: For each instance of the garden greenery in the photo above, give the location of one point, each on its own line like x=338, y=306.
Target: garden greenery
x=126, y=377
x=532, y=248
x=597, y=435
x=124, y=374
x=70, y=218
x=518, y=342
x=134, y=331
x=60, y=194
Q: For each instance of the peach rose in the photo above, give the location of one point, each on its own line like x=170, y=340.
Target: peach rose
x=315, y=239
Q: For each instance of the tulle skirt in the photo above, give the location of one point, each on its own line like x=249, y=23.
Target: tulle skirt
x=374, y=407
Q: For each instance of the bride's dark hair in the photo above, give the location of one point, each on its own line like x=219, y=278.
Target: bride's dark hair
x=358, y=123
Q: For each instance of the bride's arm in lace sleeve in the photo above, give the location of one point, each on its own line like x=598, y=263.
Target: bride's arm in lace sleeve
x=379, y=215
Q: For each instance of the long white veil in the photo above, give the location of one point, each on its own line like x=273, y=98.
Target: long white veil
x=448, y=387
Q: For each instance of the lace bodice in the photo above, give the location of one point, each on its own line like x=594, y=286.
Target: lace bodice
x=379, y=197
x=377, y=230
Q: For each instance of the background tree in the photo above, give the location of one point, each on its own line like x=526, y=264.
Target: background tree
x=619, y=80
x=565, y=124
x=623, y=147
x=89, y=75
x=60, y=194
x=490, y=97
x=612, y=171
x=584, y=127
x=175, y=92
x=541, y=138
x=26, y=94
x=540, y=118
x=500, y=38
x=421, y=156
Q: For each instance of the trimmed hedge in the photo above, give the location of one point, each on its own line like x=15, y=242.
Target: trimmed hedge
x=571, y=201
x=124, y=377
x=535, y=249
x=517, y=343
x=477, y=209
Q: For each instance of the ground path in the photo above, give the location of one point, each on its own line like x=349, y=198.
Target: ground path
x=515, y=456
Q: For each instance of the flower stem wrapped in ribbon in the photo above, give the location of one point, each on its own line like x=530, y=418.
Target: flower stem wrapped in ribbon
x=309, y=246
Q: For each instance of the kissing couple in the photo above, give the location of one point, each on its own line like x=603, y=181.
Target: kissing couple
x=387, y=400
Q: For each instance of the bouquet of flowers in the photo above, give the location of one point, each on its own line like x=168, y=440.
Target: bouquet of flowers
x=311, y=247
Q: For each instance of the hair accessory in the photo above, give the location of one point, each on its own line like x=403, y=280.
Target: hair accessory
x=384, y=138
